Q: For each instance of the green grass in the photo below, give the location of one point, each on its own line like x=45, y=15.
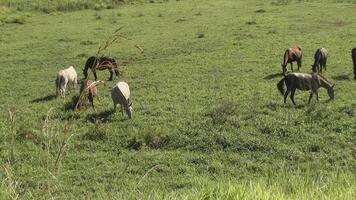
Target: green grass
x=208, y=119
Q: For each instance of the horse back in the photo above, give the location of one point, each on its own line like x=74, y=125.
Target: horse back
x=301, y=81
x=292, y=54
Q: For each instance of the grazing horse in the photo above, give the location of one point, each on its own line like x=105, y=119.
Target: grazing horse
x=63, y=77
x=303, y=81
x=120, y=94
x=320, y=58
x=101, y=64
x=353, y=54
x=88, y=90
x=291, y=55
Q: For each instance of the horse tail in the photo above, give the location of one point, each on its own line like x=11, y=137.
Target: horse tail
x=280, y=85
x=286, y=56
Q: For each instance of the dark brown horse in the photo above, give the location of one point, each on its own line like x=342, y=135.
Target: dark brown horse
x=101, y=63
x=353, y=54
x=290, y=55
x=305, y=82
x=320, y=58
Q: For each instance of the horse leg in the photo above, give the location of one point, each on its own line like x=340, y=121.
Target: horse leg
x=111, y=75
x=310, y=97
x=317, y=96
x=291, y=66
x=286, y=95
x=75, y=83
x=91, y=100
x=292, y=95
x=95, y=77
x=114, y=106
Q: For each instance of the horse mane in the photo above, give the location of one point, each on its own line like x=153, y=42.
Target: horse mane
x=323, y=78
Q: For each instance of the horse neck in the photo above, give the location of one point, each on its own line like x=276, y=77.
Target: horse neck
x=324, y=83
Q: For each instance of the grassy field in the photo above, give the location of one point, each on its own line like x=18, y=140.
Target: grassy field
x=208, y=121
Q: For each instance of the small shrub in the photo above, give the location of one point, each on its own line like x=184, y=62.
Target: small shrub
x=97, y=16
x=96, y=134
x=260, y=11
x=158, y=142
x=220, y=114
x=82, y=55
x=16, y=19
x=223, y=143
x=201, y=35
x=87, y=42
x=134, y=143
x=180, y=20
x=340, y=23
x=251, y=22
x=314, y=148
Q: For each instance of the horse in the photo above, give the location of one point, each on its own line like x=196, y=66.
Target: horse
x=87, y=90
x=290, y=55
x=63, y=77
x=120, y=94
x=101, y=63
x=353, y=55
x=304, y=82
x=320, y=58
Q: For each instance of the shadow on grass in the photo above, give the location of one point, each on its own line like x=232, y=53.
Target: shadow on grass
x=342, y=77
x=45, y=98
x=69, y=106
x=272, y=76
x=103, y=117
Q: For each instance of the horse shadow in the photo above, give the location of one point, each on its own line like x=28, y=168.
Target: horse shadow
x=45, y=98
x=342, y=77
x=70, y=105
x=103, y=117
x=272, y=76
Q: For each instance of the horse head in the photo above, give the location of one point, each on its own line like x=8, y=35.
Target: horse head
x=331, y=92
x=129, y=111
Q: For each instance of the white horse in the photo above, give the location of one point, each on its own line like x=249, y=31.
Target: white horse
x=63, y=77
x=120, y=94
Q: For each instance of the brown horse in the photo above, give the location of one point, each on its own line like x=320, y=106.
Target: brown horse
x=101, y=63
x=305, y=82
x=290, y=55
x=87, y=91
x=353, y=54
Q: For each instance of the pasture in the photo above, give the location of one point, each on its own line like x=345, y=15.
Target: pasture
x=208, y=121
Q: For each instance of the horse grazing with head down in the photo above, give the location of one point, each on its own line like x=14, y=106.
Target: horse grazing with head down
x=290, y=55
x=305, y=82
x=320, y=58
x=353, y=55
x=120, y=94
x=101, y=63
x=87, y=91
x=63, y=77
